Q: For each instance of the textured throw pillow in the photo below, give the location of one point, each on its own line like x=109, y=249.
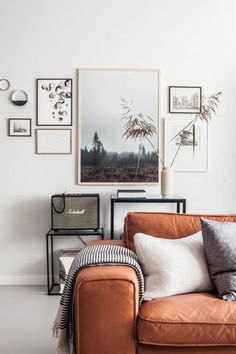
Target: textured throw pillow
x=220, y=246
x=172, y=267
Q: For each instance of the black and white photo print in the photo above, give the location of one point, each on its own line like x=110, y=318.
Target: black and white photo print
x=185, y=99
x=19, y=127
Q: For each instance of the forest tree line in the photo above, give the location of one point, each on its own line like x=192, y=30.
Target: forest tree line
x=97, y=155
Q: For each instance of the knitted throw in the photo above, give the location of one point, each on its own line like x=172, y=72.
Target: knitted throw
x=99, y=255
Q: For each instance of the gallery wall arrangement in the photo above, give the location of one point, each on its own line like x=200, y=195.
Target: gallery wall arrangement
x=53, y=108
x=119, y=130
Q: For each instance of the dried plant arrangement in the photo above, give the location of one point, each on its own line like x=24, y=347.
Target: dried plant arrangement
x=139, y=126
x=208, y=109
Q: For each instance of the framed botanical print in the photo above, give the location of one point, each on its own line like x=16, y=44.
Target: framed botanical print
x=186, y=146
x=19, y=127
x=53, y=141
x=118, y=130
x=54, y=102
x=185, y=99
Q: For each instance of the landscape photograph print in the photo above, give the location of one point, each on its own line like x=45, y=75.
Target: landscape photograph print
x=118, y=126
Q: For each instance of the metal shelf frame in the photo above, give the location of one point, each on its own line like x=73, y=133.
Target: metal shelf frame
x=52, y=287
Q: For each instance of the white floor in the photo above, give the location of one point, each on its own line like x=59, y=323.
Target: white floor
x=26, y=317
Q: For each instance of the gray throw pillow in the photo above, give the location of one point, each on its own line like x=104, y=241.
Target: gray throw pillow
x=220, y=247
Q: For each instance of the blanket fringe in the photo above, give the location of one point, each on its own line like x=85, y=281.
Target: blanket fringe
x=55, y=329
x=64, y=346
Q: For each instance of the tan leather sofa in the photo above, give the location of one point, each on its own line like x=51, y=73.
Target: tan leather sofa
x=109, y=321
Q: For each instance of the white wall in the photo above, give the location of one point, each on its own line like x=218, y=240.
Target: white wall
x=192, y=42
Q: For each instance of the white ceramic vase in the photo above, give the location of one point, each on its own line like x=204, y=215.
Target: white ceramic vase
x=167, y=182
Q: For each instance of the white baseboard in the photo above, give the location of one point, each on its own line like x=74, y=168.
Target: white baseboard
x=22, y=280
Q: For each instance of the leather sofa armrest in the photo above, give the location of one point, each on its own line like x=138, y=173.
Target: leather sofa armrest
x=106, y=309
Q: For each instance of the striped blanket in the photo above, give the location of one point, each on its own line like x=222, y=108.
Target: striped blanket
x=99, y=255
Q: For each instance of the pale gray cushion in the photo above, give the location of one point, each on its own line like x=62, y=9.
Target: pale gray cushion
x=220, y=246
x=172, y=267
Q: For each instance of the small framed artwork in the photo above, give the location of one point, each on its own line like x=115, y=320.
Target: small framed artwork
x=185, y=99
x=186, y=147
x=54, y=102
x=19, y=127
x=53, y=141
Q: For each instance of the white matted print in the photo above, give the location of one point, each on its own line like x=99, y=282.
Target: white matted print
x=193, y=152
x=53, y=141
x=54, y=102
x=19, y=127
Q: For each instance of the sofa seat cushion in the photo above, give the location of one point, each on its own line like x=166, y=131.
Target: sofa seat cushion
x=200, y=319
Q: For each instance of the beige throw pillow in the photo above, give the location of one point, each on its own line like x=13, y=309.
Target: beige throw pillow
x=172, y=267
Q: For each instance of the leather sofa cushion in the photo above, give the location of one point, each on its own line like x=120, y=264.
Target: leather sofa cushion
x=199, y=319
x=165, y=225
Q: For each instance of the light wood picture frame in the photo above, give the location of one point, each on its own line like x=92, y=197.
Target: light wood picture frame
x=53, y=141
x=107, y=153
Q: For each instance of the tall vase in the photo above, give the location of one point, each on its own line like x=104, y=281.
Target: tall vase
x=166, y=182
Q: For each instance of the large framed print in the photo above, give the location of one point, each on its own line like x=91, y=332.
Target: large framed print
x=54, y=102
x=53, y=141
x=185, y=99
x=187, y=147
x=118, y=130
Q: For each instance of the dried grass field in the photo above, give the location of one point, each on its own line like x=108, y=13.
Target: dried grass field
x=115, y=174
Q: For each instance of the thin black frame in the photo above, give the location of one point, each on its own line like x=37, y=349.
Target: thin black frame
x=185, y=87
x=9, y=127
x=37, y=103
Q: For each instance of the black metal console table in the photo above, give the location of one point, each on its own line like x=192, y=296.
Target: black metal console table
x=53, y=288
x=148, y=199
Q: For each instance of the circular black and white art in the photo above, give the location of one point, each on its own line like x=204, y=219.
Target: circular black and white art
x=19, y=97
x=4, y=84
